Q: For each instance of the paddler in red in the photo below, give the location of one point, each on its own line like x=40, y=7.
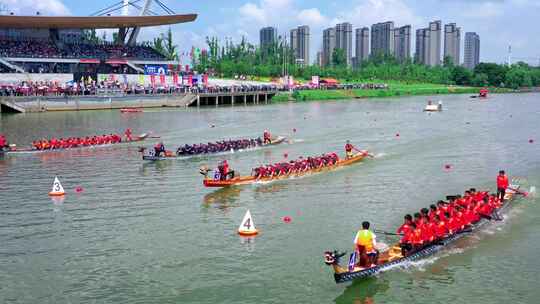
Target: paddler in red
x=502, y=184
x=3, y=142
x=128, y=134
x=349, y=149
x=442, y=229
x=267, y=137
x=406, y=227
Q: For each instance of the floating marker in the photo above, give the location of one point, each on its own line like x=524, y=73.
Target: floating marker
x=57, y=189
x=247, y=227
x=287, y=219
x=79, y=189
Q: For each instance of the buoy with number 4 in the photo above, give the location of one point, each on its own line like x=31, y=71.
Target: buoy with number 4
x=57, y=189
x=247, y=227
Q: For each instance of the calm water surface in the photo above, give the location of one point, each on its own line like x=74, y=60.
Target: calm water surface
x=151, y=233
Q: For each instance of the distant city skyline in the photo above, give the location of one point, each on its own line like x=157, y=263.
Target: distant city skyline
x=498, y=23
x=432, y=44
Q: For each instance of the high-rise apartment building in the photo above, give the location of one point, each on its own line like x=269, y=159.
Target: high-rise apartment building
x=329, y=44
x=382, y=38
x=300, y=44
x=428, y=44
x=402, y=43
x=267, y=36
x=293, y=40
x=434, y=43
x=452, y=42
x=344, y=40
x=472, y=50
x=362, y=45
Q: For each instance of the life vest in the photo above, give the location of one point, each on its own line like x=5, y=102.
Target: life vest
x=365, y=238
x=502, y=181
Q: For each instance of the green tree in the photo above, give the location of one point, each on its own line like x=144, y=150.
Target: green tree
x=338, y=58
x=517, y=77
x=462, y=75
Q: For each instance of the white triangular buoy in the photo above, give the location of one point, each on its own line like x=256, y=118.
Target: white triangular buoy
x=57, y=189
x=247, y=227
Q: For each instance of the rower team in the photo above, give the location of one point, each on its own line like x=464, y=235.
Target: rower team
x=430, y=226
x=220, y=146
x=295, y=166
x=73, y=142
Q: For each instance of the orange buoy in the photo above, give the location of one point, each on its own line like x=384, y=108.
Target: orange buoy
x=247, y=227
x=57, y=189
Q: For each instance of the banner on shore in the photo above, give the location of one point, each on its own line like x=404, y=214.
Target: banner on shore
x=315, y=80
x=155, y=70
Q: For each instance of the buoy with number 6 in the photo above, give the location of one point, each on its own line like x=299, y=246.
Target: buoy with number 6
x=57, y=189
x=247, y=227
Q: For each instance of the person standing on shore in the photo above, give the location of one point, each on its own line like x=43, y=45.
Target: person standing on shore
x=502, y=184
x=3, y=142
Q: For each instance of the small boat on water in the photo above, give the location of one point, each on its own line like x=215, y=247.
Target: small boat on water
x=131, y=110
x=246, y=180
x=391, y=257
x=178, y=155
x=13, y=149
x=483, y=93
x=433, y=107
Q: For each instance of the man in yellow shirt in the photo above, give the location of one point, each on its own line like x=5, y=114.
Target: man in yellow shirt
x=365, y=246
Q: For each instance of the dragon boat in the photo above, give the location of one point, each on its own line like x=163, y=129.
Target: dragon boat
x=392, y=257
x=246, y=180
x=13, y=149
x=172, y=155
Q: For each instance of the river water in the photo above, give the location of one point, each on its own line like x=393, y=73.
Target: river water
x=151, y=233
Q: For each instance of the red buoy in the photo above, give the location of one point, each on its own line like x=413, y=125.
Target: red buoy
x=287, y=219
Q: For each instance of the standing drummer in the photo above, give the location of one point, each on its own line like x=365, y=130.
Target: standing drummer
x=349, y=149
x=502, y=185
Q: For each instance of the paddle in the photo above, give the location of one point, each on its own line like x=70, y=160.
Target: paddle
x=387, y=233
x=525, y=194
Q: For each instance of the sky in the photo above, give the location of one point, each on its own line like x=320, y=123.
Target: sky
x=499, y=23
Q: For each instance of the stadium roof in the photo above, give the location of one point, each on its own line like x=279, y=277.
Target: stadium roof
x=100, y=22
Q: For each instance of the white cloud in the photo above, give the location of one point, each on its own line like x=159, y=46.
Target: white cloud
x=313, y=17
x=30, y=7
x=253, y=12
x=367, y=12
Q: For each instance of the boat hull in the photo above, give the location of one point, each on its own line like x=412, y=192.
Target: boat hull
x=139, y=138
x=245, y=180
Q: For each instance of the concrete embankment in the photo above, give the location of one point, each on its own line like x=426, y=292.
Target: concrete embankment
x=77, y=103
x=22, y=104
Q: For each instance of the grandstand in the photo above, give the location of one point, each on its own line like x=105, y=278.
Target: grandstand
x=69, y=45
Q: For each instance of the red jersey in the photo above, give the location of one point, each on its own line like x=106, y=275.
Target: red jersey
x=348, y=148
x=442, y=229
x=416, y=237
x=502, y=181
x=404, y=229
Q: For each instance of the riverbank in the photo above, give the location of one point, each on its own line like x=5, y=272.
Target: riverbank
x=394, y=90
